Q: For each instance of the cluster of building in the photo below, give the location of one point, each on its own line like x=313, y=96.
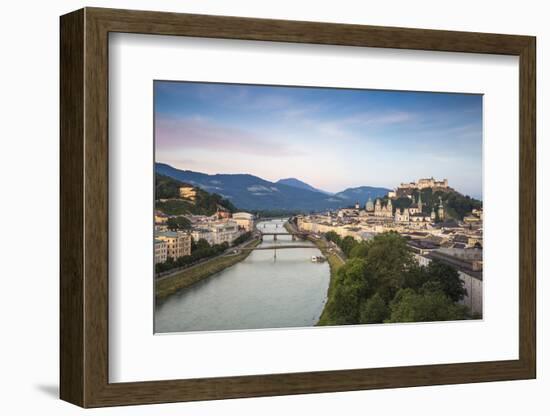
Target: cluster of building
x=414, y=213
x=171, y=244
x=431, y=235
x=219, y=229
x=222, y=227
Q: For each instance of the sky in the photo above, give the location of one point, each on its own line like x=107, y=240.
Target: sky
x=331, y=138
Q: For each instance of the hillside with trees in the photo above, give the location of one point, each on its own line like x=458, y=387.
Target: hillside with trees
x=167, y=199
x=381, y=282
x=456, y=205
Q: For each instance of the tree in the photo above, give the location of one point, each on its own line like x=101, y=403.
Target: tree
x=374, y=311
x=360, y=250
x=178, y=223
x=242, y=238
x=166, y=187
x=415, y=277
x=353, y=285
x=332, y=236
x=409, y=306
x=388, y=259
x=347, y=244
x=199, y=245
x=448, y=278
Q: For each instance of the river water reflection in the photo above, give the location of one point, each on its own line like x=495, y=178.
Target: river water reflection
x=259, y=292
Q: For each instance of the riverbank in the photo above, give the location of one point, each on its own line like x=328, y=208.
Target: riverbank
x=334, y=261
x=194, y=274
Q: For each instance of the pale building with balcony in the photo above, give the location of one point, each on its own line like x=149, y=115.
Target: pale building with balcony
x=178, y=244
x=161, y=251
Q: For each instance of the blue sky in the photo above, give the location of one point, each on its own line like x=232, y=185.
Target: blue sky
x=330, y=138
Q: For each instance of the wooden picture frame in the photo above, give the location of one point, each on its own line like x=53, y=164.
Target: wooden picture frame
x=84, y=207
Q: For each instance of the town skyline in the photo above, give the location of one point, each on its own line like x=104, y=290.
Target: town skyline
x=331, y=139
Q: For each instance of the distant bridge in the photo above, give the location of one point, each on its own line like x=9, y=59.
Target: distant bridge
x=277, y=247
x=293, y=234
x=275, y=233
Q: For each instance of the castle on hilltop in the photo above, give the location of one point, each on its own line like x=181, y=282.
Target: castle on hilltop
x=425, y=183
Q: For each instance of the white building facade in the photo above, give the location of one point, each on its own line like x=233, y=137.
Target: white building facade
x=244, y=220
x=217, y=232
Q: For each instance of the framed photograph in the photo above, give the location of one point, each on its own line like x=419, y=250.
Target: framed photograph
x=255, y=207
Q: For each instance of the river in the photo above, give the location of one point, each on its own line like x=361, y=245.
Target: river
x=259, y=292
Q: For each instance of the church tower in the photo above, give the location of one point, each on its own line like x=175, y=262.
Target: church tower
x=369, y=206
x=420, y=202
x=432, y=215
x=377, y=207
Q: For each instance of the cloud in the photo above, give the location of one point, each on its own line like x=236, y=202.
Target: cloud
x=172, y=134
x=356, y=126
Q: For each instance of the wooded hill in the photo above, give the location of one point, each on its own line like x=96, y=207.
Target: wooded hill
x=456, y=205
x=167, y=199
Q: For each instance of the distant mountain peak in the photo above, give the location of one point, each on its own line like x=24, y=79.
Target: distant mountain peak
x=297, y=183
x=362, y=194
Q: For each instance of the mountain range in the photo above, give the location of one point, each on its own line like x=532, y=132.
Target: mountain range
x=252, y=193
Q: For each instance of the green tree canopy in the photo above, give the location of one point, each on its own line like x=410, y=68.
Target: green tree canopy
x=448, y=278
x=332, y=236
x=410, y=306
x=178, y=223
x=360, y=250
x=199, y=245
x=381, y=282
x=415, y=277
x=389, y=258
x=354, y=284
x=347, y=245
x=374, y=310
x=445, y=276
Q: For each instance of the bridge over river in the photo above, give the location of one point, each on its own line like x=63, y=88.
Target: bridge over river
x=277, y=247
x=289, y=230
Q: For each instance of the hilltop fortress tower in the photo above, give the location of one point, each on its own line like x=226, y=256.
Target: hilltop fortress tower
x=406, y=189
x=425, y=183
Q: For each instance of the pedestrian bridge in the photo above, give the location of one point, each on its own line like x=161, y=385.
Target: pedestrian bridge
x=294, y=235
x=277, y=247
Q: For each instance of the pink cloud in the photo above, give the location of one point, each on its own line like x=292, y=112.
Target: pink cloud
x=200, y=133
